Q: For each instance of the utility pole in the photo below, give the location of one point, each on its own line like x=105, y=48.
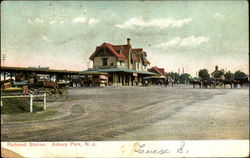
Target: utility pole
x=4, y=56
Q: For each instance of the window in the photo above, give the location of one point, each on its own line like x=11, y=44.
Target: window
x=119, y=51
x=105, y=61
x=120, y=63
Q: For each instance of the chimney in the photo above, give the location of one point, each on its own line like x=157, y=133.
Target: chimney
x=129, y=53
x=128, y=41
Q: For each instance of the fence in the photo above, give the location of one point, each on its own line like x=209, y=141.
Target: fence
x=31, y=96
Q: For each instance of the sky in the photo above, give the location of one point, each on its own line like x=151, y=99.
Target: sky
x=175, y=34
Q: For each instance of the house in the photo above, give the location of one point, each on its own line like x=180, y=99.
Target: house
x=159, y=71
x=125, y=65
x=217, y=74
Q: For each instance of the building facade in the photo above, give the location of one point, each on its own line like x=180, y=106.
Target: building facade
x=217, y=74
x=125, y=65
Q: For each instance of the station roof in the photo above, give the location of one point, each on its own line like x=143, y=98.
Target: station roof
x=36, y=70
x=116, y=70
x=92, y=72
x=156, y=77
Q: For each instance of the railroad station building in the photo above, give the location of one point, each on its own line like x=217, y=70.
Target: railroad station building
x=124, y=65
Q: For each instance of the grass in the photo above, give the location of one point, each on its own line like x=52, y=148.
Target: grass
x=30, y=117
x=17, y=105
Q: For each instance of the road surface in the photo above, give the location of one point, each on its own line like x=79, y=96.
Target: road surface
x=136, y=113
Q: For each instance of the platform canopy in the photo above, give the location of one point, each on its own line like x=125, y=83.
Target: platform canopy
x=92, y=72
x=108, y=70
x=40, y=70
x=155, y=77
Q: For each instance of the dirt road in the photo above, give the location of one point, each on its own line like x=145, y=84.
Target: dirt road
x=136, y=113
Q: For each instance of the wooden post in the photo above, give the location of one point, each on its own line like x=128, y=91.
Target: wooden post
x=50, y=77
x=44, y=102
x=4, y=76
x=31, y=102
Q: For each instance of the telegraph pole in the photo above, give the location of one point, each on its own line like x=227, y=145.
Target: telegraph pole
x=4, y=56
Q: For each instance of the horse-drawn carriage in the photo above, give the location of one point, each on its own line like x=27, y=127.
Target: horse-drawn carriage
x=53, y=90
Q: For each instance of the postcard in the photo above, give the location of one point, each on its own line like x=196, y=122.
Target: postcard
x=124, y=79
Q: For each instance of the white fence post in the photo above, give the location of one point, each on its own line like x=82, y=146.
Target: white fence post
x=31, y=102
x=31, y=99
x=44, y=102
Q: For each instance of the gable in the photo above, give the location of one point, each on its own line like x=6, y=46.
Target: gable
x=103, y=52
x=157, y=70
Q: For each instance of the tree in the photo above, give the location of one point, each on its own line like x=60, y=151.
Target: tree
x=239, y=74
x=184, y=78
x=173, y=75
x=203, y=73
x=229, y=75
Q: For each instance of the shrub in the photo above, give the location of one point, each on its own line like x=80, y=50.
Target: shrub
x=17, y=105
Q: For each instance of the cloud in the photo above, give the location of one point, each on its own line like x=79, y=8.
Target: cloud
x=79, y=20
x=161, y=23
x=30, y=21
x=45, y=38
x=93, y=21
x=39, y=20
x=218, y=15
x=183, y=43
x=52, y=22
